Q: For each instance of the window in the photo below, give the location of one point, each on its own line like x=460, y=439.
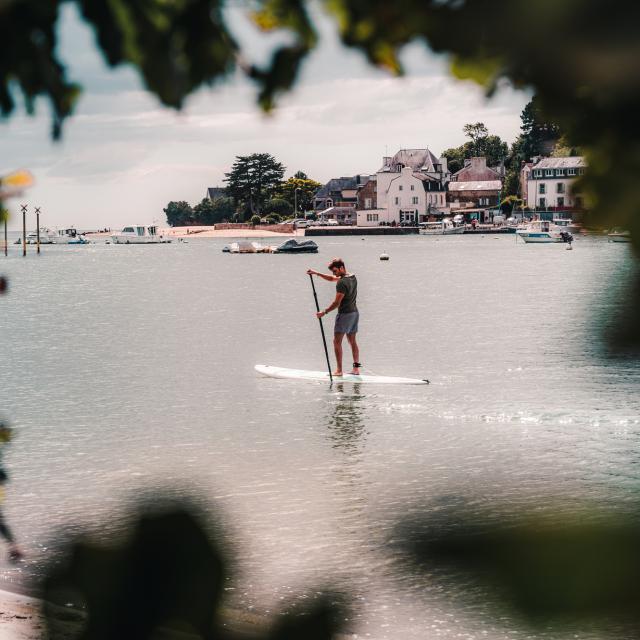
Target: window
x=542, y=203
x=559, y=172
x=400, y=188
x=571, y=172
x=414, y=200
x=561, y=202
x=372, y=217
x=537, y=173
x=560, y=187
x=413, y=188
x=542, y=187
x=548, y=172
x=367, y=203
x=397, y=200
x=581, y=172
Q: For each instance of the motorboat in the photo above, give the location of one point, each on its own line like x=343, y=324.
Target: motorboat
x=70, y=236
x=442, y=228
x=619, y=235
x=294, y=246
x=540, y=231
x=62, y=236
x=139, y=235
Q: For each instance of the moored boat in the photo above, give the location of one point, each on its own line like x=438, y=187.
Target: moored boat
x=543, y=231
x=442, y=228
x=294, y=246
x=139, y=234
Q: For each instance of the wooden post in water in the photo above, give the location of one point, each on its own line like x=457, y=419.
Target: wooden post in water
x=38, y=226
x=24, y=229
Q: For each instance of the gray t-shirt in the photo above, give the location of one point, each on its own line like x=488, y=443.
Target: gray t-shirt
x=349, y=286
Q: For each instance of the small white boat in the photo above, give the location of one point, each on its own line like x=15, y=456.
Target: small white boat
x=619, y=235
x=443, y=228
x=542, y=231
x=245, y=246
x=139, y=235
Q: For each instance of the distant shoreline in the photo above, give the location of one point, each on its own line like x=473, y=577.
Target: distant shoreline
x=212, y=232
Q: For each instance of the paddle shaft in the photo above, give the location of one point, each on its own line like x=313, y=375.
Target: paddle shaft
x=324, y=339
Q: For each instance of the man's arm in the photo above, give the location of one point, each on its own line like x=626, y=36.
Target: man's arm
x=324, y=276
x=334, y=305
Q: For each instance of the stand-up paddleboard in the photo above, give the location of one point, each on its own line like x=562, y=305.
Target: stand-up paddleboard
x=323, y=376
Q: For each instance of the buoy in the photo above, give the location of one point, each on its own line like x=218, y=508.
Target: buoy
x=384, y=256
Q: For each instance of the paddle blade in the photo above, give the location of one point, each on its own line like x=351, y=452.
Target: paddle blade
x=14, y=183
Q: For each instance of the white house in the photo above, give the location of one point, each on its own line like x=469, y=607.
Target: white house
x=372, y=217
x=411, y=185
x=550, y=183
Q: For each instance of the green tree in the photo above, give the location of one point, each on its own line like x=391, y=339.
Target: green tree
x=279, y=206
x=481, y=143
x=299, y=191
x=253, y=180
x=209, y=211
x=179, y=214
x=455, y=158
x=539, y=133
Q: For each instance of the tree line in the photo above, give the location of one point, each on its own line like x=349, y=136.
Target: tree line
x=540, y=136
x=255, y=190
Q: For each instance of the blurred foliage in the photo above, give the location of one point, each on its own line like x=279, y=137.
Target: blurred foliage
x=166, y=580
x=585, y=569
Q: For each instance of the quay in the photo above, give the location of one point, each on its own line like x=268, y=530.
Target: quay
x=359, y=231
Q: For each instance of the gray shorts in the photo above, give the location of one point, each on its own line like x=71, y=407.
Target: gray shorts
x=347, y=322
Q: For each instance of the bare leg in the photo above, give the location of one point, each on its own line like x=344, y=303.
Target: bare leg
x=355, y=350
x=337, y=347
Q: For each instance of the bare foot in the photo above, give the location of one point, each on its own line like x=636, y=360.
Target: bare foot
x=355, y=371
x=337, y=374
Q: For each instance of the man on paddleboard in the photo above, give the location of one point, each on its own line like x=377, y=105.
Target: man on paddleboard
x=348, y=316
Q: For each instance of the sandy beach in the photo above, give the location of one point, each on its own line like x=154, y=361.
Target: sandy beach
x=212, y=232
x=207, y=232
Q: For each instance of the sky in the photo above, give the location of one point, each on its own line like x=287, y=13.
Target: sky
x=123, y=156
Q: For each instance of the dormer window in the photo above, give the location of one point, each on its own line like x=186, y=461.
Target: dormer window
x=399, y=167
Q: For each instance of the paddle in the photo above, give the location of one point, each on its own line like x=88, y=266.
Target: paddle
x=324, y=339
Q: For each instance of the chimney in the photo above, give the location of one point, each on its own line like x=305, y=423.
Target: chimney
x=478, y=164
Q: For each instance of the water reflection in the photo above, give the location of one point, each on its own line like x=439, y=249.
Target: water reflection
x=345, y=421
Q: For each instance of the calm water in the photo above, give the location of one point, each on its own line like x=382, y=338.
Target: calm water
x=124, y=368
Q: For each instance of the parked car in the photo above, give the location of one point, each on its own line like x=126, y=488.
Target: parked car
x=301, y=223
x=331, y=223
